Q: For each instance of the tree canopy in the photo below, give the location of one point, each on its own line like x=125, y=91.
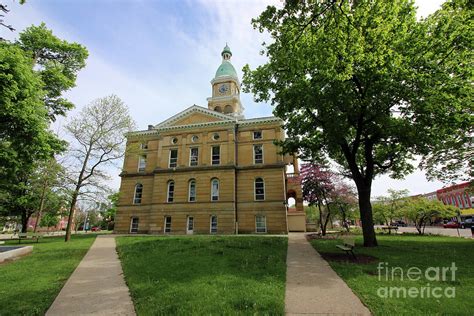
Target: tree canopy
x=367, y=85
x=34, y=73
x=421, y=210
x=57, y=62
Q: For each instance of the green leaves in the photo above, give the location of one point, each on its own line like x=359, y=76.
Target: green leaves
x=58, y=63
x=34, y=73
x=364, y=80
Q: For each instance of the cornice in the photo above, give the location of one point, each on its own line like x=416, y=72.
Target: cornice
x=187, y=169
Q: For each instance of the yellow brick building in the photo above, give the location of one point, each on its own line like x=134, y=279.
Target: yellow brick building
x=209, y=170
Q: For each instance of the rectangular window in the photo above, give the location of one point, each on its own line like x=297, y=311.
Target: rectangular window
x=213, y=224
x=257, y=135
x=173, y=158
x=144, y=146
x=167, y=224
x=459, y=201
x=258, y=154
x=260, y=224
x=141, y=163
x=259, y=189
x=137, y=198
x=216, y=155
x=193, y=156
x=134, y=225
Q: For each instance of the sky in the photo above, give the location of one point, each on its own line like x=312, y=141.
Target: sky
x=160, y=56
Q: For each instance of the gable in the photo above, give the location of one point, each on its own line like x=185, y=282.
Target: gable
x=194, y=115
x=195, y=118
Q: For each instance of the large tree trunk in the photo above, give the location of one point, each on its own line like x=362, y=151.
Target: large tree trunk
x=24, y=221
x=366, y=215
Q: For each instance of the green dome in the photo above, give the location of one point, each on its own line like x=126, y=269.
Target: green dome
x=226, y=50
x=226, y=69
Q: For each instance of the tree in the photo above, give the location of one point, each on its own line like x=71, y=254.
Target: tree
x=365, y=84
x=24, y=135
x=108, y=211
x=33, y=73
x=421, y=211
x=99, y=137
x=57, y=62
x=50, y=175
x=451, y=158
x=387, y=208
x=344, y=197
x=49, y=220
x=317, y=190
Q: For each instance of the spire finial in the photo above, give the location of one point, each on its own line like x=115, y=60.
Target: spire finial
x=226, y=53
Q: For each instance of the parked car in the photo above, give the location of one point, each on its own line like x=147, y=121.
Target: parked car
x=452, y=225
x=399, y=223
x=95, y=229
x=468, y=223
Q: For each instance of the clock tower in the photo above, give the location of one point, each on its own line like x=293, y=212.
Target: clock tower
x=226, y=88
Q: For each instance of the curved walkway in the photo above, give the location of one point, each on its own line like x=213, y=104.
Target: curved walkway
x=97, y=286
x=312, y=286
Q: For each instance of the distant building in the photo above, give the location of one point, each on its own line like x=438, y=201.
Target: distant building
x=430, y=196
x=456, y=195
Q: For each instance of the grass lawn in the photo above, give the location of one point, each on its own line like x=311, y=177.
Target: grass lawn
x=29, y=285
x=212, y=275
x=405, y=252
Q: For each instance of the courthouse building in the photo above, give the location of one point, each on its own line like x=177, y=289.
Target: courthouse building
x=209, y=170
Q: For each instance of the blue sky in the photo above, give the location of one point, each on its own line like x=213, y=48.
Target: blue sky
x=159, y=56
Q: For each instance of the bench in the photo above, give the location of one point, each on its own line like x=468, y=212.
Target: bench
x=389, y=228
x=348, y=246
x=25, y=236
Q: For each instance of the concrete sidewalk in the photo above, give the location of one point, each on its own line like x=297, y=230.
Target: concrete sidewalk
x=97, y=286
x=312, y=286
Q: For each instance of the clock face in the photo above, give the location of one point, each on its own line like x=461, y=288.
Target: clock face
x=223, y=88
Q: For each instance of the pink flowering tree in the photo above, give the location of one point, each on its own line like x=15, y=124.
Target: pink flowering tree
x=318, y=188
x=344, y=198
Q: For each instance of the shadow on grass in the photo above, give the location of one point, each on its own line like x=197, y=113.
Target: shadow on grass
x=397, y=254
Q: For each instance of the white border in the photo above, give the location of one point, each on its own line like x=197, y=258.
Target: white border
x=255, y=189
x=212, y=146
x=210, y=224
x=263, y=156
x=135, y=193
x=218, y=189
x=168, y=190
x=265, y=220
x=189, y=190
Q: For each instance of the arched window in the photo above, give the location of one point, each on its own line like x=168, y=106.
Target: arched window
x=259, y=189
x=137, y=197
x=214, y=190
x=192, y=190
x=218, y=109
x=228, y=109
x=170, y=191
